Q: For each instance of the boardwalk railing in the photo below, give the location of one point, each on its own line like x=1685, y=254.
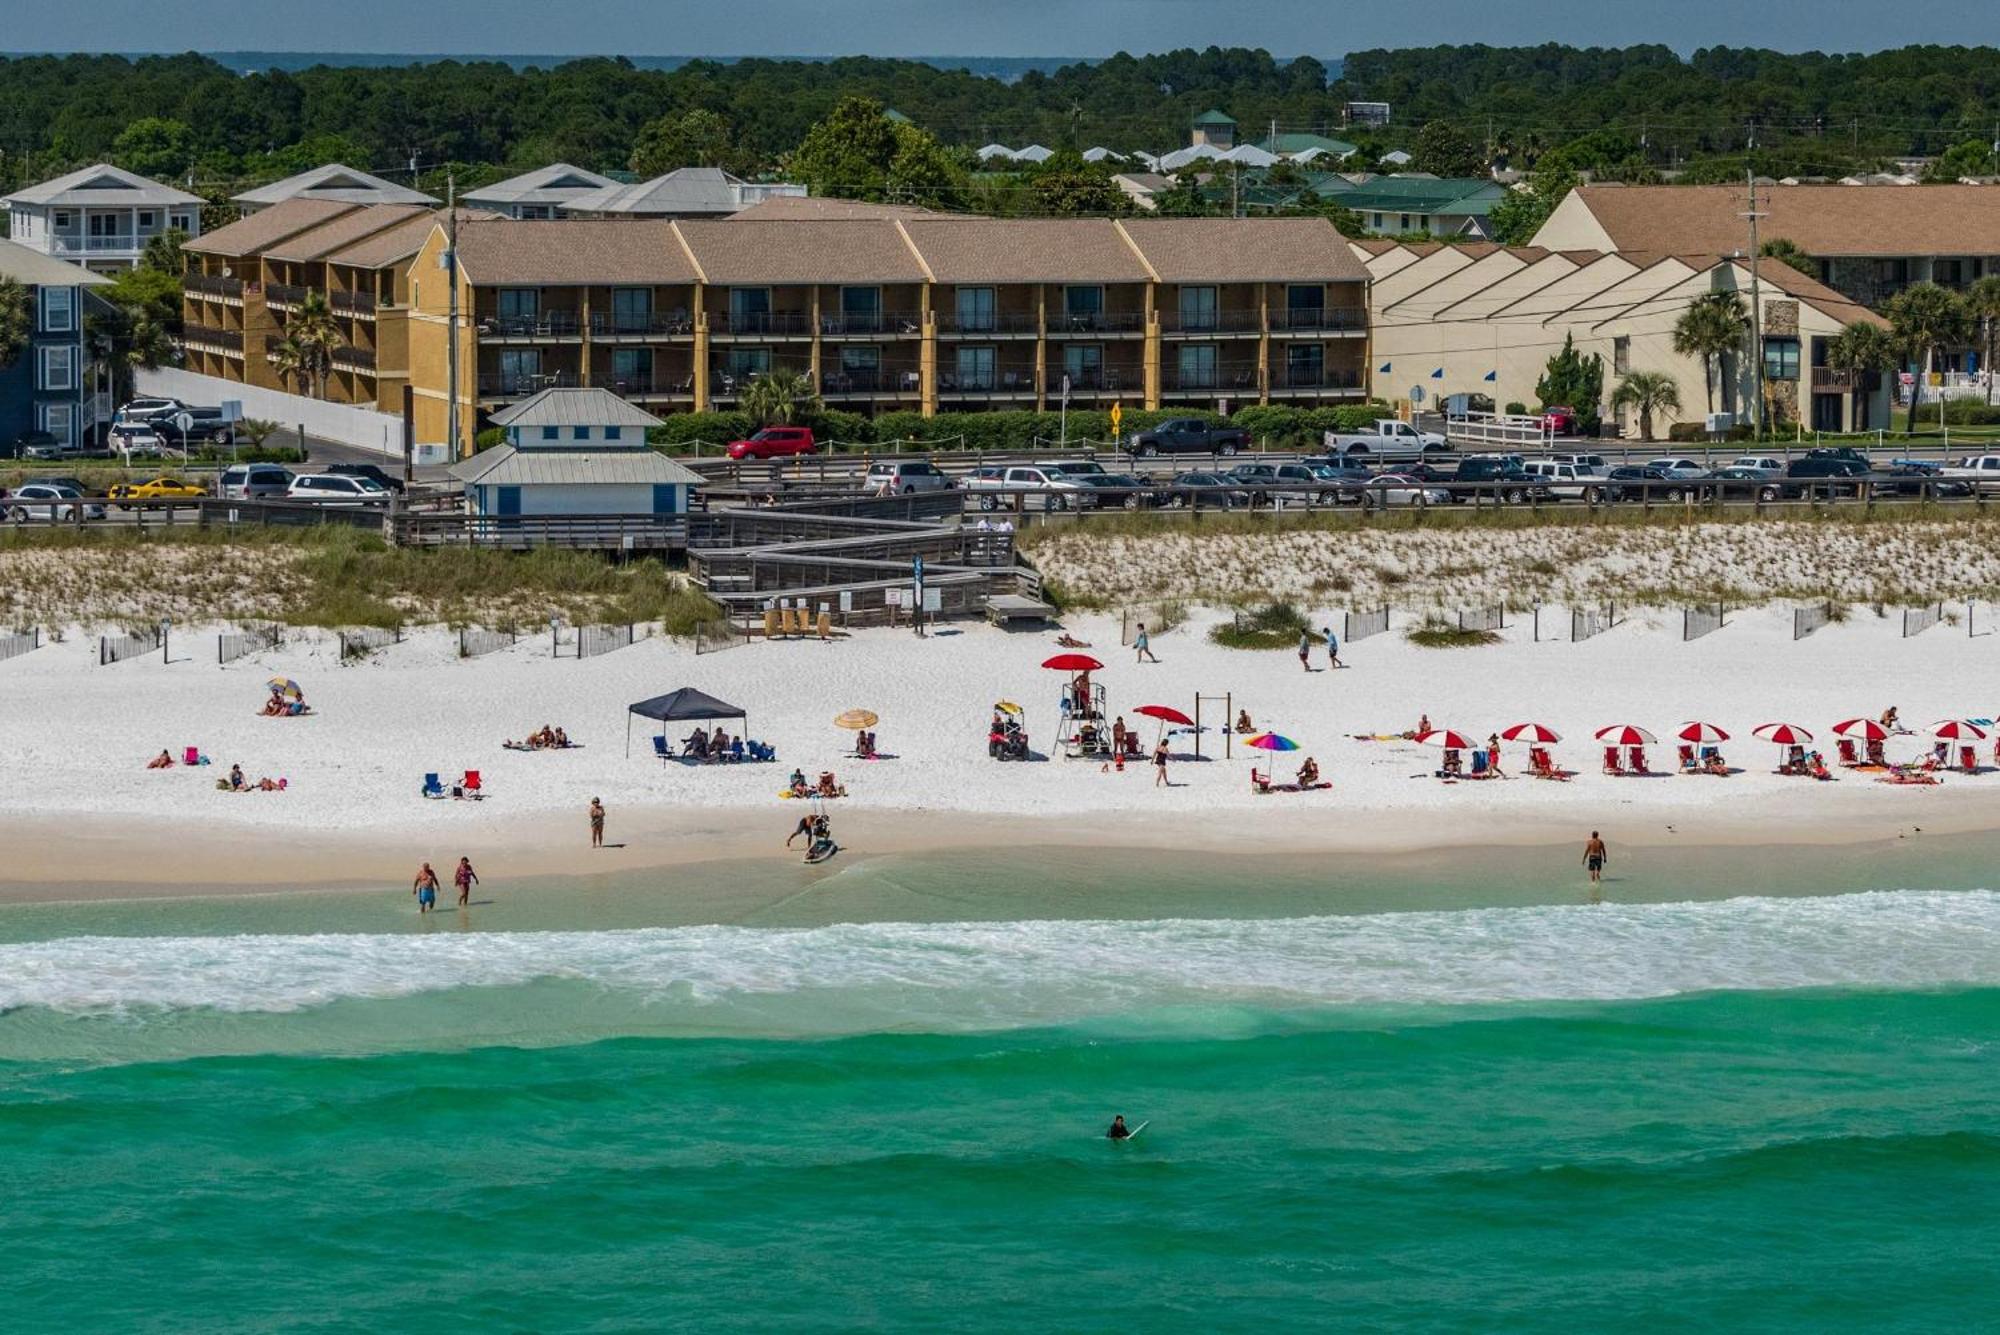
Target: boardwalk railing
x=247, y=640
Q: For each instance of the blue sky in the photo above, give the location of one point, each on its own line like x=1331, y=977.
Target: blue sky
x=960, y=27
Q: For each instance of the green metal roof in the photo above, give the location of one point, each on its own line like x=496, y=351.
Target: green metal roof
x=1213, y=117
x=1420, y=194
x=1300, y=143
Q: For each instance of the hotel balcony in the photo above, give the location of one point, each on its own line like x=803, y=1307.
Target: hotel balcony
x=522, y=384
x=1316, y=381
x=1319, y=320
x=214, y=287
x=284, y=296
x=998, y=324
x=355, y=303
x=638, y=326
x=207, y=338
x=350, y=358
x=547, y=327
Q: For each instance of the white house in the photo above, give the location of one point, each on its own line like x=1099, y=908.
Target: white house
x=342, y=184
x=690, y=192
x=537, y=194
x=100, y=217
x=575, y=452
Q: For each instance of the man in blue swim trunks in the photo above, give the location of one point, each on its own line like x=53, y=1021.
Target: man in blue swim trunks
x=426, y=889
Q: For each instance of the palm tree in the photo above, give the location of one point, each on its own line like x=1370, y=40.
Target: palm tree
x=315, y=334
x=1711, y=328
x=1857, y=350
x=779, y=396
x=288, y=358
x=16, y=319
x=1982, y=299
x=1925, y=317
x=1649, y=392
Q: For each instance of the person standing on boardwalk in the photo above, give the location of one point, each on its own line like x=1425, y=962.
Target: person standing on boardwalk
x=1143, y=647
x=596, y=823
x=464, y=878
x=1305, y=650
x=1332, y=647
x=425, y=888
x=1594, y=857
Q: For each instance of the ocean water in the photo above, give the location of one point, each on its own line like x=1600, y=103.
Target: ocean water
x=1751, y=1112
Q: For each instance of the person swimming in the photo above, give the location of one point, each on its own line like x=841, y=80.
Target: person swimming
x=1118, y=1131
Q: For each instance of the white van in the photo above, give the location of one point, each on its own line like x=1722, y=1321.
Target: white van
x=254, y=482
x=1564, y=481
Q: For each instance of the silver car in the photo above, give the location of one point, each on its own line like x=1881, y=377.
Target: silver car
x=50, y=501
x=253, y=482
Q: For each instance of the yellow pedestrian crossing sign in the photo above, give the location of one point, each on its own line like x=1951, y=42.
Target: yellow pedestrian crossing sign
x=1117, y=416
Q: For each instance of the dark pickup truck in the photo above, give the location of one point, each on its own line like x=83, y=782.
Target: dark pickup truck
x=1188, y=435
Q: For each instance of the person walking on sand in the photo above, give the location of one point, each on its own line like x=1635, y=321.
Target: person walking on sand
x=464, y=878
x=1332, y=647
x=1594, y=856
x=1305, y=651
x=596, y=823
x=1160, y=765
x=425, y=888
x=1143, y=645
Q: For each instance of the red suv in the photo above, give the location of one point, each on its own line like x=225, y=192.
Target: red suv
x=1560, y=421
x=774, y=442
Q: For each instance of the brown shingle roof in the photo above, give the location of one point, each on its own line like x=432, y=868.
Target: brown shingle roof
x=573, y=252
x=261, y=230
x=1025, y=250
x=405, y=239
x=319, y=242
x=1812, y=292
x=1823, y=219
x=815, y=206
x=1245, y=250
x=828, y=250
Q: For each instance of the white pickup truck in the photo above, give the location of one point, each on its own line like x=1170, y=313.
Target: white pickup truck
x=1981, y=470
x=1388, y=439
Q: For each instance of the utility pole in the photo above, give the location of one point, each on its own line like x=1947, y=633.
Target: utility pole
x=451, y=317
x=1756, y=307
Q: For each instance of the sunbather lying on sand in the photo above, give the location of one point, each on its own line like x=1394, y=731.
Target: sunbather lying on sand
x=164, y=760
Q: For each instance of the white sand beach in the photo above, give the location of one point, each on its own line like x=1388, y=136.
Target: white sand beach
x=80, y=804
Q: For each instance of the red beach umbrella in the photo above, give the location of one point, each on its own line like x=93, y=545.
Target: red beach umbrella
x=1861, y=729
x=1535, y=734
x=1447, y=739
x=1625, y=734
x=1958, y=730
x=1072, y=663
x=1166, y=714
x=1702, y=732
x=1784, y=734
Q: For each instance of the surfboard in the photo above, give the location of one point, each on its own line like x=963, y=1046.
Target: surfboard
x=831, y=849
x=1135, y=1132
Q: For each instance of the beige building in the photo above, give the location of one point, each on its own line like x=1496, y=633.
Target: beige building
x=1485, y=319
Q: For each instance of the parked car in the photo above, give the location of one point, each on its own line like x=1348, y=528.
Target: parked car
x=1642, y=482
x=26, y=441
x=1347, y=479
x=254, y=482
x=1918, y=477
x=1595, y=464
x=146, y=409
x=1059, y=490
x=1760, y=461
x=1284, y=481
x=1680, y=470
x=1501, y=476
x=1118, y=491
x=1979, y=471
x=1389, y=438
x=50, y=501
x=775, y=442
x=334, y=489
x=373, y=472
x=163, y=414
x=1388, y=489
x=42, y=445
x=1560, y=420
x=1188, y=435
x=1816, y=477
x=158, y=488
x=138, y=440
x=904, y=477
x=1847, y=452
x=1563, y=481
x=1195, y=489
x=1740, y=480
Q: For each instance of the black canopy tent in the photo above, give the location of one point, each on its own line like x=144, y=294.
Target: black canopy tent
x=685, y=705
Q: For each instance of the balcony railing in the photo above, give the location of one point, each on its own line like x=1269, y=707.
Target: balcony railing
x=1097, y=380
x=209, y=337
x=352, y=302
x=1319, y=319
x=879, y=323
x=1310, y=377
x=213, y=285
x=123, y=242
x=1828, y=379
x=640, y=323
x=762, y=322
x=646, y=386
x=1214, y=322
x=996, y=322
x=284, y=294
x=549, y=324
x=864, y=381
x=520, y=384
x=354, y=359
x=1067, y=323
x=1209, y=380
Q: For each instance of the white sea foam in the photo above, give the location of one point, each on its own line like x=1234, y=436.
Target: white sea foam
x=855, y=977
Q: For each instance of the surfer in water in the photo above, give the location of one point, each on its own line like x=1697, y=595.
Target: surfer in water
x=1119, y=1131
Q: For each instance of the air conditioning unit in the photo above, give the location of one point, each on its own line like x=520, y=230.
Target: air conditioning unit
x=1719, y=424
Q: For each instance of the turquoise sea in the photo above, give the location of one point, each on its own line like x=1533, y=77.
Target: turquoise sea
x=1745, y=1092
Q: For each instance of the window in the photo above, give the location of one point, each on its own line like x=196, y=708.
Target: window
x=58, y=368
x=1781, y=359
x=750, y=308
x=519, y=303
x=860, y=367
x=551, y=433
x=975, y=365
x=65, y=219
x=1083, y=363
x=184, y=221
x=631, y=368
x=1197, y=308
x=1621, y=355
x=1305, y=365
x=1406, y=222
x=1949, y=273
x=631, y=309
x=104, y=225
x=1375, y=221
x=59, y=420
x=614, y=433
x=579, y=433
x=148, y=219
x=975, y=309
x=520, y=368
x=1197, y=366
x=1082, y=306
x=861, y=309
x=58, y=309
x=742, y=363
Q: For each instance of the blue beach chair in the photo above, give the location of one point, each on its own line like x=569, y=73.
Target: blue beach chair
x=661, y=749
x=432, y=788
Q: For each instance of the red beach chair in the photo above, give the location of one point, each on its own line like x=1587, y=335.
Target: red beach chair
x=1968, y=759
x=1687, y=758
x=1639, y=760
x=191, y=756
x=1611, y=761
x=471, y=784
x=1848, y=756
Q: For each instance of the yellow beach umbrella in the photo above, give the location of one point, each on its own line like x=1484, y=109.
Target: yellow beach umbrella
x=1008, y=707
x=854, y=720
x=285, y=686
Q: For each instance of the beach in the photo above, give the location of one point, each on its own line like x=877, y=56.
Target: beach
x=81, y=807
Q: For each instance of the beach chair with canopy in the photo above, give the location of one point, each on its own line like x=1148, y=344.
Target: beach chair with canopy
x=687, y=705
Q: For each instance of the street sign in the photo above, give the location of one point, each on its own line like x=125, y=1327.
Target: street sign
x=1908, y=378
x=1416, y=393
x=1117, y=418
